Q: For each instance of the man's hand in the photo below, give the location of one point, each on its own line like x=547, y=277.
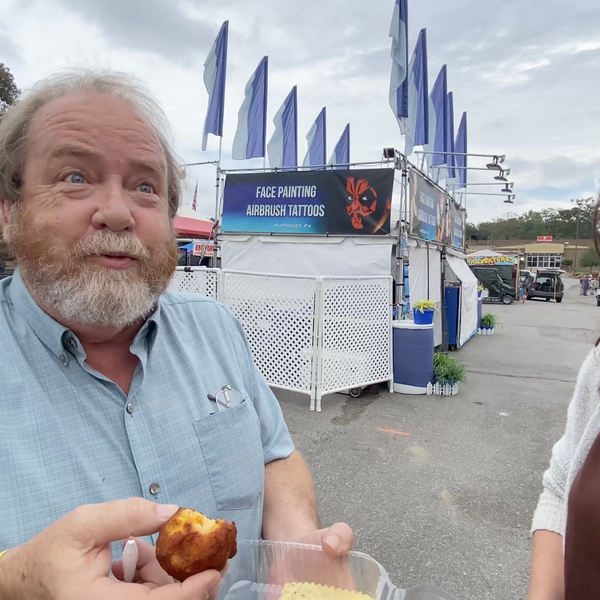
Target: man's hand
x=336, y=540
x=71, y=559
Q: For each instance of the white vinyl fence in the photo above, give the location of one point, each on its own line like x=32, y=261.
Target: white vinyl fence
x=197, y=280
x=355, y=324
x=313, y=335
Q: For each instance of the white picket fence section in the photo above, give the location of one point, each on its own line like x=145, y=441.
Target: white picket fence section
x=355, y=333
x=278, y=316
x=313, y=335
x=435, y=389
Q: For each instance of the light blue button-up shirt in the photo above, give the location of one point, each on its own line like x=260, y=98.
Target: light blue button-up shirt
x=70, y=436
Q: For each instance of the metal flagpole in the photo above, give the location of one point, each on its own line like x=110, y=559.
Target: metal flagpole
x=217, y=202
x=218, y=184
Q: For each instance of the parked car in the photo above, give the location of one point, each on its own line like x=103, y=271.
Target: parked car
x=547, y=284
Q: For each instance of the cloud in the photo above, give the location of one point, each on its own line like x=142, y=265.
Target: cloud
x=154, y=26
x=522, y=71
x=8, y=49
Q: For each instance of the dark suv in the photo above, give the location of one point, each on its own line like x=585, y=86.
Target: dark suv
x=547, y=284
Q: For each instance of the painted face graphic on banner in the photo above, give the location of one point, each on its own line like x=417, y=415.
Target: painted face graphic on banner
x=362, y=201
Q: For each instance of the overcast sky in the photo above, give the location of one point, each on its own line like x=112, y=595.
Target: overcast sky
x=526, y=71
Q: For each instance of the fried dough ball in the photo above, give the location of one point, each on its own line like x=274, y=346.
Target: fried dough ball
x=190, y=543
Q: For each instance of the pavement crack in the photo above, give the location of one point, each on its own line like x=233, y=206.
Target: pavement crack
x=511, y=376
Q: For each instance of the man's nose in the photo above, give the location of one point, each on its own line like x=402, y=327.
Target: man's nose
x=114, y=210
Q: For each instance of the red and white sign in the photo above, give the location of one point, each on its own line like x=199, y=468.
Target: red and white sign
x=204, y=248
x=545, y=238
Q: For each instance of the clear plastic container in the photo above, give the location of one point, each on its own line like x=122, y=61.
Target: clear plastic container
x=261, y=569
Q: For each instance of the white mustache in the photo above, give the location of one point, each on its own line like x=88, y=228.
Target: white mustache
x=110, y=243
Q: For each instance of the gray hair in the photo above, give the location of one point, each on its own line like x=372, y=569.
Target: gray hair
x=15, y=124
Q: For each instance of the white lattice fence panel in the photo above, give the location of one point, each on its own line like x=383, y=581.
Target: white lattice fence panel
x=277, y=314
x=201, y=281
x=356, y=333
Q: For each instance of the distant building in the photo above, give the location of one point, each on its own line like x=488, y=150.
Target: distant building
x=535, y=255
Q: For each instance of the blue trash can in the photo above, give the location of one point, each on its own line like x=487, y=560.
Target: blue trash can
x=413, y=357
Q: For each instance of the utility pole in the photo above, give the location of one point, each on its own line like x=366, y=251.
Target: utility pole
x=579, y=204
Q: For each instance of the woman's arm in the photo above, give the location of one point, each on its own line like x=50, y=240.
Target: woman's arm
x=549, y=521
x=547, y=567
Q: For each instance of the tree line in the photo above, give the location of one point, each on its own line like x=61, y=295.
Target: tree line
x=560, y=223
x=9, y=94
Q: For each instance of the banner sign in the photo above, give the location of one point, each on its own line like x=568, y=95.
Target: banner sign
x=490, y=261
x=204, y=248
x=348, y=202
x=457, y=225
x=427, y=209
x=545, y=238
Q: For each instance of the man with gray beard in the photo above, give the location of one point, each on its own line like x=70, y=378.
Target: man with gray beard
x=107, y=381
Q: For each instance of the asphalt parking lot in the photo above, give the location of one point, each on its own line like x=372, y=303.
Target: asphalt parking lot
x=449, y=497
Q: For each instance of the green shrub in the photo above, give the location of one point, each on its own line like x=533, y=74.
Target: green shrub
x=423, y=305
x=489, y=320
x=447, y=370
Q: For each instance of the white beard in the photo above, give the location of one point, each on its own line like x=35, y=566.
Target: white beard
x=84, y=292
x=108, y=298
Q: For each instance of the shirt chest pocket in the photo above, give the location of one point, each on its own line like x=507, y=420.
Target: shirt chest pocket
x=232, y=448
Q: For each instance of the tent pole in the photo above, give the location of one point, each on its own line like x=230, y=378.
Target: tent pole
x=444, y=315
x=399, y=266
x=406, y=231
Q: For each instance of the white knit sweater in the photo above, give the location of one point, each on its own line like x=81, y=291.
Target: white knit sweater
x=570, y=452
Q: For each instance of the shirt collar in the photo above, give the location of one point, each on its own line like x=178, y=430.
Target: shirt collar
x=55, y=336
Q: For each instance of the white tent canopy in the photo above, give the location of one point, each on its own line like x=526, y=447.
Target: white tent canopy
x=458, y=270
x=425, y=278
x=303, y=255
x=485, y=254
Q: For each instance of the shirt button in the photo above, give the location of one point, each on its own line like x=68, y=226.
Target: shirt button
x=129, y=408
x=154, y=489
x=63, y=359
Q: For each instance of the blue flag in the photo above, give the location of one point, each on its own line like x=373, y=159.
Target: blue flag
x=438, y=122
x=251, y=136
x=450, y=143
x=399, y=35
x=317, y=142
x=283, y=147
x=215, y=74
x=461, y=148
x=417, y=84
x=341, y=154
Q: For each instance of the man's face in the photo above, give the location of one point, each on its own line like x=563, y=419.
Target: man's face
x=92, y=233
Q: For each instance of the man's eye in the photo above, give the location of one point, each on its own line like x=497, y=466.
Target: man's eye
x=145, y=188
x=76, y=178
